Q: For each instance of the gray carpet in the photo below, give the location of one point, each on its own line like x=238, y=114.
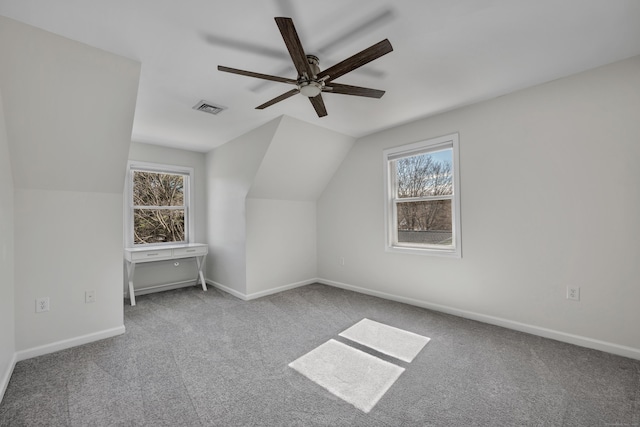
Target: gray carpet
x=194, y=358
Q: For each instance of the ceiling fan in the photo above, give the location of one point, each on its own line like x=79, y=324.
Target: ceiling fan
x=311, y=81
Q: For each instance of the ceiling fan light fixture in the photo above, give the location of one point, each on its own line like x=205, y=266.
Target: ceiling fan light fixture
x=310, y=89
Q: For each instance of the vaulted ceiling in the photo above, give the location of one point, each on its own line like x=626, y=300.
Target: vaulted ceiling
x=447, y=54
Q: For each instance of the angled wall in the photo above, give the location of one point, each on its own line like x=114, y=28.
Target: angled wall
x=262, y=190
x=69, y=113
x=231, y=169
x=281, y=205
x=300, y=161
x=7, y=323
x=549, y=187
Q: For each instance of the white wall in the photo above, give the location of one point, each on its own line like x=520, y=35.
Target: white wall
x=165, y=272
x=262, y=189
x=281, y=205
x=69, y=114
x=281, y=244
x=550, y=199
x=231, y=169
x=67, y=242
x=7, y=324
x=300, y=161
x=64, y=104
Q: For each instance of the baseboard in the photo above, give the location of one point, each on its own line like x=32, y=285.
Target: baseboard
x=4, y=382
x=226, y=289
x=608, y=347
x=255, y=295
x=68, y=343
x=281, y=289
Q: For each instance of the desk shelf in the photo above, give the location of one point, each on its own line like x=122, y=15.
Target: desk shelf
x=135, y=256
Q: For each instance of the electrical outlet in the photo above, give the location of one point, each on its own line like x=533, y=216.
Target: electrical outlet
x=89, y=296
x=573, y=293
x=42, y=304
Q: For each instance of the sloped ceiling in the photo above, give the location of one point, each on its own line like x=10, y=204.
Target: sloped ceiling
x=68, y=108
x=300, y=161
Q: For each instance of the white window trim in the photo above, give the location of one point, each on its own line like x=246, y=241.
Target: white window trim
x=390, y=221
x=128, y=203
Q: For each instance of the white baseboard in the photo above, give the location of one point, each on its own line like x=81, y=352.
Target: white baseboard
x=4, y=382
x=68, y=343
x=633, y=353
x=255, y=295
x=280, y=289
x=226, y=289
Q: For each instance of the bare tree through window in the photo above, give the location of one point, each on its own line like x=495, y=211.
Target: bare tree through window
x=424, y=188
x=159, y=207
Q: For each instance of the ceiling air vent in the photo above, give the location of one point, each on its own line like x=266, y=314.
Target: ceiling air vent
x=209, y=107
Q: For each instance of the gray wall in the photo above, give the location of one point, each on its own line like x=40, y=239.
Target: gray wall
x=549, y=199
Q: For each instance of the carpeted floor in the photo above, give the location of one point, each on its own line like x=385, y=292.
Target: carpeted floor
x=194, y=358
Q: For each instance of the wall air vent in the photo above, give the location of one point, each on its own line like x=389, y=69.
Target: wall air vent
x=209, y=107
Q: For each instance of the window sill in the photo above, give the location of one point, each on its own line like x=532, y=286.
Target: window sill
x=166, y=245
x=447, y=253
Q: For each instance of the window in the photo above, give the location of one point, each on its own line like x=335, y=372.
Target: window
x=422, y=183
x=158, y=204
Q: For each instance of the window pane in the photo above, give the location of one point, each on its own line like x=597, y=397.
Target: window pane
x=157, y=189
x=425, y=222
x=158, y=225
x=429, y=174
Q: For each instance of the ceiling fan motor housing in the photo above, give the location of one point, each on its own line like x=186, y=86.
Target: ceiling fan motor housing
x=310, y=86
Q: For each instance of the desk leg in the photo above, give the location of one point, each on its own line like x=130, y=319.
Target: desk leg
x=131, y=268
x=200, y=262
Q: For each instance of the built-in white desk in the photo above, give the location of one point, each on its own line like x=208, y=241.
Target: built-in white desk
x=135, y=256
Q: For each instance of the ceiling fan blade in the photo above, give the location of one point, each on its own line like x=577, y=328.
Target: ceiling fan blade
x=277, y=99
x=257, y=75
x=288, y=70
x=358, y=60
x=290, y=36
x=353, y=90
x=318, y=104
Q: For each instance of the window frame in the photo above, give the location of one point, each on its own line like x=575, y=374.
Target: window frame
x=390, y=191
x=187, y=172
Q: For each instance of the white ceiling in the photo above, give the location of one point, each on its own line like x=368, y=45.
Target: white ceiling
x=447, y=53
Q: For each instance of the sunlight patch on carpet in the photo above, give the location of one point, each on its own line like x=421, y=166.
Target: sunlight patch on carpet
x=398, y=343
x=353, y=375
